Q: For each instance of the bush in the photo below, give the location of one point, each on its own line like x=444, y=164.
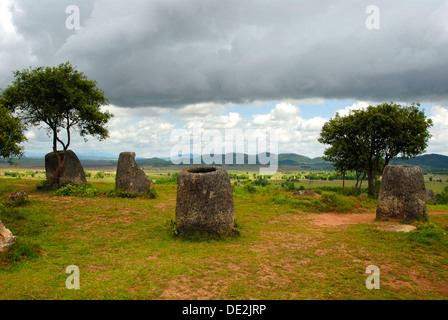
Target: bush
x=19, y=202
x=261, y=181
x=12, y=174
x=249, y=187
x=288, y=186
x=119, y=193
x=442, y=198
x=74, y=190
x=99, y=175
x=329, y=202
x=44, y=185
x=30, y=173
x=20, y=251
x=333, y=202
x=428, y=233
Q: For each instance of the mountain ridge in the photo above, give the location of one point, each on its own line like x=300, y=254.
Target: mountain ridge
x=426, y=161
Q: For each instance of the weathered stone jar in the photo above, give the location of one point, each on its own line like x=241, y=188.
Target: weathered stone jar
x=204, y=201
x=130, y=177
x=6, y=238
x=70, y=172
x=402, y=194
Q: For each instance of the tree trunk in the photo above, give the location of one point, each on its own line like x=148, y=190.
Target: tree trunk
x=355, y=189
x=362, y=179
x=58, y=171
x=370, y=180
x=55, y=140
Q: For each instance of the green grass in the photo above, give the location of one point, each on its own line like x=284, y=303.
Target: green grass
x=125, y=248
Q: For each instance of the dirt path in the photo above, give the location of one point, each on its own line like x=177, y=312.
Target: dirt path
x=337, y=219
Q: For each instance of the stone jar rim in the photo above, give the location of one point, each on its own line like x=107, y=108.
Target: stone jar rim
x=202, y=170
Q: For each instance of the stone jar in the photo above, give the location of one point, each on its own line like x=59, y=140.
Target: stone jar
x=130, y=177
x=71, y=171
x=204, y=201
x=402, y=194
x=6, y=238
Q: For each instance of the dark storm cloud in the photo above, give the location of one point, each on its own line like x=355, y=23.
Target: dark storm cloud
x=173, y=53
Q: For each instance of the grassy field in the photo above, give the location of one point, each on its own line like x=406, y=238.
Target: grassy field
x=288, y=247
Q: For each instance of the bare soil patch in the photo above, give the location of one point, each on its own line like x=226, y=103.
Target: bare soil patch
x=337, y=219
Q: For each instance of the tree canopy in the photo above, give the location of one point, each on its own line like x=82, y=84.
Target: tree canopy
x=367, y=139
x=61, y=98
x=11, y=135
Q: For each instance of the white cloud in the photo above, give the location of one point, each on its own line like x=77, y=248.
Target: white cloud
x=147, y=131
x=356, y=106
x=439, y=131
x=295, y=134
x=282, y=114
x=200, y=110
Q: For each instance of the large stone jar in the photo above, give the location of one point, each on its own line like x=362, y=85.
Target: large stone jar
x=67, y=169
x=6, y=238
x=402, y=194
x=130, y=177
x=204, y=201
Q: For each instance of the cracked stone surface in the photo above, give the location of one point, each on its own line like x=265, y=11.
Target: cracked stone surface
x=6, y=238
x=130, y=177
x=402, y=194
x=204, y=201
x=72, y=171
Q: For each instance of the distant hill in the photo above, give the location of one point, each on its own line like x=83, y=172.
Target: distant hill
x=428, y=162
x=295, y=159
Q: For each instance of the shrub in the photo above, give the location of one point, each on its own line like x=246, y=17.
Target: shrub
x=74, y=190
x=249, y=187
x=20, y=251
x=428, y=233
x=119, y=193
x=288, y=186
x=99, y=175
x=18, y=202
x=442, y=198
x=333, y=202
x=30, y=173
x=44, y=185
x=261, y=181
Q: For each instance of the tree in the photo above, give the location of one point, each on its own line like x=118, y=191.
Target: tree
x=62, y=99
x=343, y=152
x=11, y=135
x=368, y=139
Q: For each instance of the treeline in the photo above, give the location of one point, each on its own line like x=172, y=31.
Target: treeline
x=325, y=176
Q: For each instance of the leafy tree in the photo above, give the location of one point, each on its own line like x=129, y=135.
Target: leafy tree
x=442, y=198
x=11, y=135
x=343, y=152
x=60, y=98
x=367, y=139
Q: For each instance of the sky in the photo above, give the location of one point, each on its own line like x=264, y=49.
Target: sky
x=286, y=65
